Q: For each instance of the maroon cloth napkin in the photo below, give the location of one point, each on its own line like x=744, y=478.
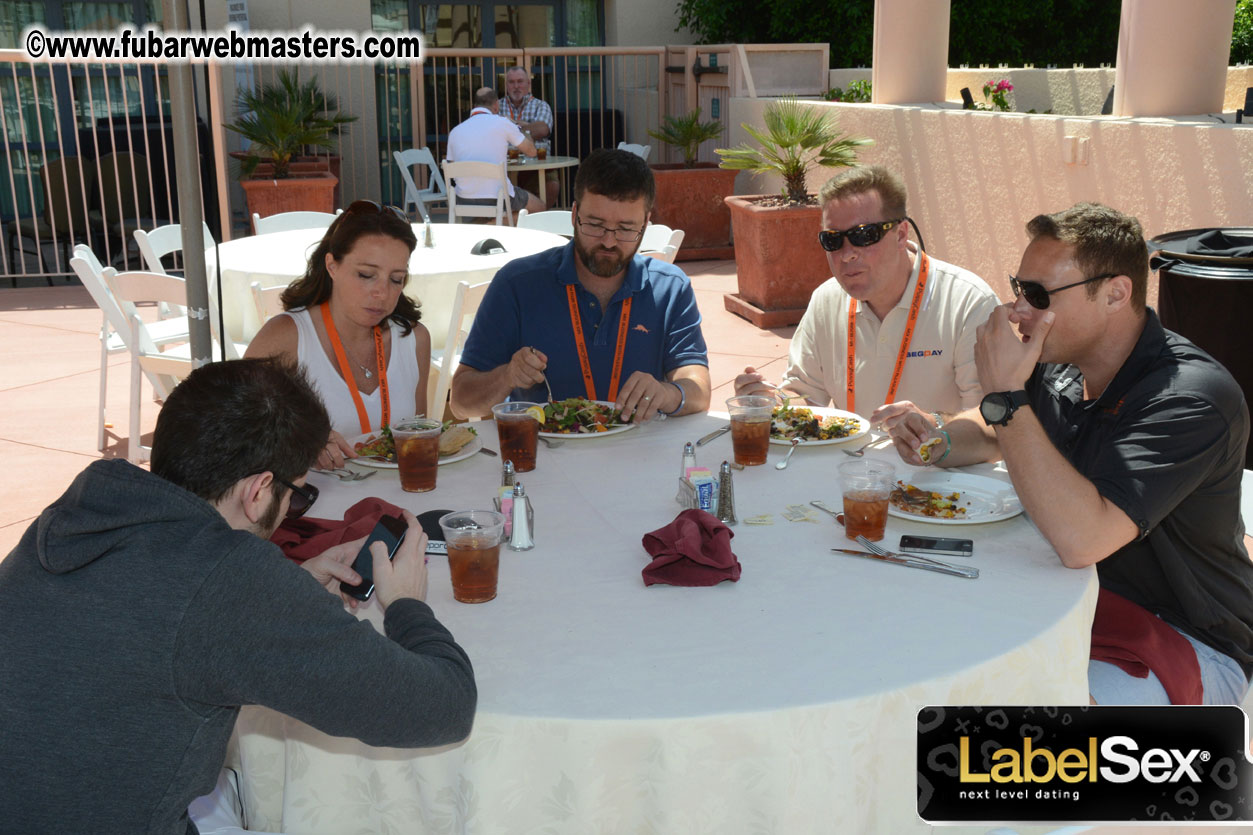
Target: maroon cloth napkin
x=1137, y=641
x=307, y=536
x=693, y=550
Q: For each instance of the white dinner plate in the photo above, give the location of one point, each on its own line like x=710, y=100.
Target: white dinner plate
x=460, y=455
x=575, y=436
x=986, y=499
x=820, y=411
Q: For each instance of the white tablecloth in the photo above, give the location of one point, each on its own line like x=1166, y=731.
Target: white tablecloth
x=282, y=257
x=783, y=703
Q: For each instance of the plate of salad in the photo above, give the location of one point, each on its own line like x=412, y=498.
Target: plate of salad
x=815, y=425
x=577, y=417
x=381, y=448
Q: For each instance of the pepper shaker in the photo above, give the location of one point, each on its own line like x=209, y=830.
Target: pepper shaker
x=726, y=495
x=504, y=496
x=520, y=539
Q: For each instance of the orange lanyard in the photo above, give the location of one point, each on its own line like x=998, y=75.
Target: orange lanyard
x=624, y=320
x=515, y=113
x=914, y=307
x=345, y=369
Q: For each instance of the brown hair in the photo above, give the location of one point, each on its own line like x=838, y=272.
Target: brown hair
x=1104, y=240
x=619, y=175
x=363, y=217
x=863, y=178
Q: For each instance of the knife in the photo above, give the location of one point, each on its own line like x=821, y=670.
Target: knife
x=942, y=568
x=714, y=434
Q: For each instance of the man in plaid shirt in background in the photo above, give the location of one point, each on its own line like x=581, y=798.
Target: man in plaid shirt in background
x=531, y=114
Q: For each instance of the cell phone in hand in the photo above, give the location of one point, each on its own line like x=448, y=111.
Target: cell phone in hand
x=391, y=532
x=935, y=545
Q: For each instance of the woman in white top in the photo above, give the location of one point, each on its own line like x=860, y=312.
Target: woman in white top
x=352, y=328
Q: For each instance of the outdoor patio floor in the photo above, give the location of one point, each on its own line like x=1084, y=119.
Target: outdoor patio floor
x=49, y=383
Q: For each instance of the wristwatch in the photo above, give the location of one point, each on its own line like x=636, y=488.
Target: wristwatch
x=999, y=406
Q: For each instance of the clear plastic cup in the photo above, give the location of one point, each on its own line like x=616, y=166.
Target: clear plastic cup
x=750, y=428
x=473, y=538
x=866, y=485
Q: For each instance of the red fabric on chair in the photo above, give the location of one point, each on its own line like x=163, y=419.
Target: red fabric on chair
x=307, y=536
x=693, y=550
x=1134, y=639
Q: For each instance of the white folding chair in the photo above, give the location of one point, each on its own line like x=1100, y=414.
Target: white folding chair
x=661, y=241
x=162, y=241
x=286, y=221
x=435, y=192
x=641, y=151
x=444, y=361
x=558, y=221
x=115, y=330
x=268, y=300
x=483, y=171
x=132, y=287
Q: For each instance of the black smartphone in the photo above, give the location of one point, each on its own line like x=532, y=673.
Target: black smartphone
x=391, y=532
x=934, y=545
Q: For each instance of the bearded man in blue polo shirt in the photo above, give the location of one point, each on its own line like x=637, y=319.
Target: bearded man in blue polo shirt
x=592, y=318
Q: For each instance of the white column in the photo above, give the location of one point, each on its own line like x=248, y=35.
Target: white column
x=910, y=61
x=1172, y=57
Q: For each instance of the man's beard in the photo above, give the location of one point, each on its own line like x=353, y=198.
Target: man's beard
x=269, y=521
x=605, y=267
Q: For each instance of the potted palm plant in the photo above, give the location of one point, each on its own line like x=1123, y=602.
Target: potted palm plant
x=283, y=122
x=690, y=194
x=777, y=258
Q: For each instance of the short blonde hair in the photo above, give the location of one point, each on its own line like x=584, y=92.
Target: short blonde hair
x=863, y=178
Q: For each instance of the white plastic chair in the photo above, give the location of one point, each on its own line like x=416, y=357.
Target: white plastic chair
x=267, y=299
x=160, y=242
x=482, y=170
x=444, y=361
x=435, y=192
x=286, y=221
x=558, y=221
x=115, y=329
x=134, y=287
x=661, y=242
x=641, y=151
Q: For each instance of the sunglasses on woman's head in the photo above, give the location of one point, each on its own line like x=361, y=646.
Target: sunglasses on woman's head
x=863, y=234
x=1038, y=297
x=302, y=498
x=370, y=207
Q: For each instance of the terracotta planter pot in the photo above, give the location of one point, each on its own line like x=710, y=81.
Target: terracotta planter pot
x=778, y=261
x=299, y=167
x=692, y=199
x=310, y=193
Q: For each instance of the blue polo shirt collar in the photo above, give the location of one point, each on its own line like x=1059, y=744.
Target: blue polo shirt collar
x=633, y=283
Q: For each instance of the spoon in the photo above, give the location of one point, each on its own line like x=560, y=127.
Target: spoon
x=839, y=517
x=861, y=450
x=782, y=465
x=550, y=443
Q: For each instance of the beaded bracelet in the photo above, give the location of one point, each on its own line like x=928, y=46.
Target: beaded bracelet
x=948, y=446
x=682, y=399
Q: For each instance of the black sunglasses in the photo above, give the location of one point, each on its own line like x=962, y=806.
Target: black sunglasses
x=370, y=207
x=863, y=234
x=1038, y=297
x=302, y=498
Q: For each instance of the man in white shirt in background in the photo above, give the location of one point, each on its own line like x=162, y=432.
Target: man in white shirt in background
x=913, y=347
x=485, y=136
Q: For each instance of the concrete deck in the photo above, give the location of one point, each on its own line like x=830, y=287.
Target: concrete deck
x=49, y=379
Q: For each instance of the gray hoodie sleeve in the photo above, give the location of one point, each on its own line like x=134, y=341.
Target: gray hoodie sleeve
x=262, y=631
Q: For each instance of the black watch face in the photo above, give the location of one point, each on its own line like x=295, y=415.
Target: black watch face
x=994, y=408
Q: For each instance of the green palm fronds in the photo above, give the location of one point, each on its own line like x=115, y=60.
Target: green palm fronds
x=283, y=119
x=686, y=133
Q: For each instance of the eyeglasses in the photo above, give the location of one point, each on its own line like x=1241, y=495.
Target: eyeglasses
x=1038, y=297
x=370, y=207
x=863, y=234
x=302, y=498
x=599, y=230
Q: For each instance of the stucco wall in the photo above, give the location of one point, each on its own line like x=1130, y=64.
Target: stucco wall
x=974, y=179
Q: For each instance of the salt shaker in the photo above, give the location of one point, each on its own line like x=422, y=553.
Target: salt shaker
x=726, y=495
x=504, y=496
x=683, y=497
x=520, y=538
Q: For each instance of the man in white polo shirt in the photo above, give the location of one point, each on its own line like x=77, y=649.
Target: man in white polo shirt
x=914, y=317
x=486, y=136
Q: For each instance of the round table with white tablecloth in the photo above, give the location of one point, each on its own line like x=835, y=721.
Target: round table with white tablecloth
x=785, y=702
x=282, y=257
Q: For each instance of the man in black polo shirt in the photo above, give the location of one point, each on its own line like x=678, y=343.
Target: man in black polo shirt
x=1125, y=443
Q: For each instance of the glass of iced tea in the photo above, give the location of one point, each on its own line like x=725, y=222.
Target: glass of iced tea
x=541, y=149
x=417, y=453
x=514, y=153
x=473, y=538
x=517, y=424
x=866, y=485
x=750, y=428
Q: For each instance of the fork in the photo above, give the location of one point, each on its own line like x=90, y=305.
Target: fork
x=876, y=549
x=344, y=474
x=550, y=388
x=861, y=450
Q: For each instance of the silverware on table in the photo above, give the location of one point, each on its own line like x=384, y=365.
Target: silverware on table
x=551, y=443
x=782, y=465
x=874, y=548
x=968, y=573
x=491, y=453
x=861, y=450
x=344, y=474
x=714, y=434
x=839, y=517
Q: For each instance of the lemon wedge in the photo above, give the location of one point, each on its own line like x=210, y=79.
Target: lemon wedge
x=536, y=412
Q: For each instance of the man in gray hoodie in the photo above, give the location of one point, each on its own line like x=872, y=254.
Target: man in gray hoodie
x=141, y=610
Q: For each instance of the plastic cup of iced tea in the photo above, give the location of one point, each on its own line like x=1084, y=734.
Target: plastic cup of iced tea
x=518, y=429
x=541, y=150
x=866, y=485
x=750, y=428
x=417, y=453
x=473, y=538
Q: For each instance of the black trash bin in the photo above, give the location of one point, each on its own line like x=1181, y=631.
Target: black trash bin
x=1205, y=293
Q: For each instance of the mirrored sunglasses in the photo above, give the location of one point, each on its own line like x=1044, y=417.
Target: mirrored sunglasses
x=1038, y=297
x=863, y=234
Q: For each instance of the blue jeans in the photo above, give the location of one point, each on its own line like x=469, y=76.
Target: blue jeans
x=1223, y=681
